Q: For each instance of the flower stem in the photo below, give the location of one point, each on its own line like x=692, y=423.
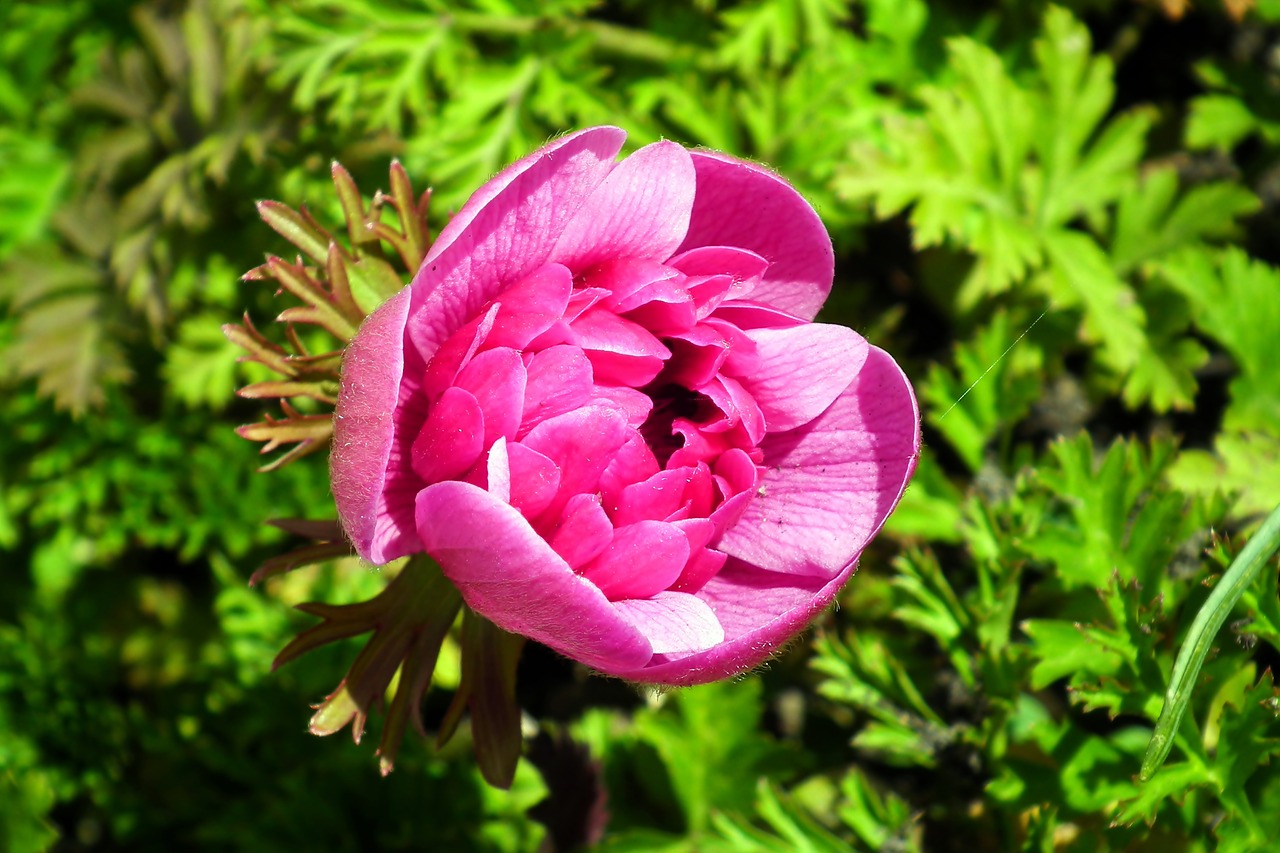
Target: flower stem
x=1242, y=572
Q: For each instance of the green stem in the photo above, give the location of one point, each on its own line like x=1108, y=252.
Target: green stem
x=1242, y=572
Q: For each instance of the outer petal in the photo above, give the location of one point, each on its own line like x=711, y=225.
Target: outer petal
x=799, y=372
x=508, y=573
x=744, y=205
x=674, y=622
x=640, y=211
x=759, y=611
x=506, y=231
x=828, y=486
x=364, y=423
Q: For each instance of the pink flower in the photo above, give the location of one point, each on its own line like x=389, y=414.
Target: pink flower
x=602, y=408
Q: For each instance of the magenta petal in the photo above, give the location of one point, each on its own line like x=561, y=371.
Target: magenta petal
x=829, y=485
x=800, y=371
x=632, y=462
x=705, y=564
x=642, y=560
x=496, y=378
x=506, y=231
x=742, y=265
x=738, y=405
x=581, y=443
x=559, y=381
x=531, y=307
x=655, y=498
x=535, y=479
x=507, y=573
x=452, y=439
x=641, y=210
x=621, y=351
x=759, y=612
x=675, y=623
x=744, y=205
x=364, y=423
x=584, y=531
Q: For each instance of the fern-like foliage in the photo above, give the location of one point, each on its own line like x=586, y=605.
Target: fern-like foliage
x=1026, y=173
x=171, y=120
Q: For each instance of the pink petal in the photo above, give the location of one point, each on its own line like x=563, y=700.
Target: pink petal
x=829, y=485
x=498, y=472
x=696, y=356
x=658, y=497
x=581, y=443
x=584, y=531
x=635, y=404
x=632, y=462
x=560, y=381
x=506, y=231
x=759, y=612
x=623, y=278
x=675, y=623
x=496, y=378
x=641, y=210
x=621, y=352
x=507, y=573
x=642, y=560
x=535, y=480
x=738, y=405
x=799, y=371
x=364, y=423
x=451, y=440
x=714, y=264
x=531, y=307
x=705, y=564
x=744, y=205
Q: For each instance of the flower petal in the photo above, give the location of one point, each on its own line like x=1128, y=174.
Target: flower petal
x=451, y=440
x=642, y=560
x=759, y=612
x=584, y=531
x=581, y=443
x=496, y=378
x=829, y=485
x=744, y=205
x=364, y=423
x=535, y=479
x=506, y=231
x=507, y=573
x=798, y=372
x=559, y=381
x=641, y=210
x=621, y=352
x=674, y=622
x=531, y=307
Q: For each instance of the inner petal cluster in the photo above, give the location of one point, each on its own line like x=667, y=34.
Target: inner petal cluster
x=613, y=407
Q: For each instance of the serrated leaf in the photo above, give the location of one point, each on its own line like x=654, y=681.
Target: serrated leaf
x=1150, y=224
x=1172, y=780
x=1065, y=649
x=1237, y=303
x=709, y=739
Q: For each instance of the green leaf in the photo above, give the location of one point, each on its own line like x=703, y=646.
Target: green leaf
x=709, y=739
x=1067, y=649
x=201, y=365
x=1149, y=224
x=1235, y=304
x=991, y=389
x=1172, y=781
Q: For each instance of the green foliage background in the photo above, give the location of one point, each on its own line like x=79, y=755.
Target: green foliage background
x=1064, y=221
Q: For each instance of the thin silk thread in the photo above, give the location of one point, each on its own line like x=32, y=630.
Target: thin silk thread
x=993, y=364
